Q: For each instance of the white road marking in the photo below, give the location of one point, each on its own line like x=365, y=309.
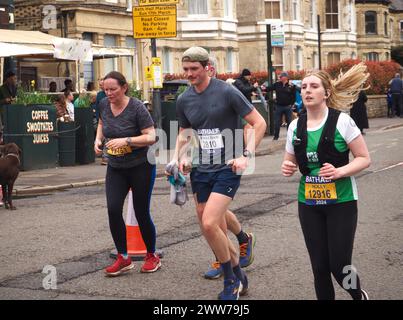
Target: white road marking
x=390, y=167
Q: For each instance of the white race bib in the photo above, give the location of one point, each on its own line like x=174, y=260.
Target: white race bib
x=211, y=141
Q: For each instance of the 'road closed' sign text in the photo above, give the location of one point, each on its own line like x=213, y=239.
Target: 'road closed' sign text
x=154, y=22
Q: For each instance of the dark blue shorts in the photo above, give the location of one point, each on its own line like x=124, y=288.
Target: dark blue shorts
x=223, y=182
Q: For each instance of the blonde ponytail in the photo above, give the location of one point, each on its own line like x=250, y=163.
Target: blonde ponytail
x=344, y=90
x=347, y=86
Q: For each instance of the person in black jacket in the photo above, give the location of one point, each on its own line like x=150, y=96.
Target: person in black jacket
x=285, y=99
x=243, y=84
x=359, y=112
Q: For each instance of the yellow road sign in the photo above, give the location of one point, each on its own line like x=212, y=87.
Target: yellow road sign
x=156, y=2
x=156, y=61
x=154, y=22
x=148, y=72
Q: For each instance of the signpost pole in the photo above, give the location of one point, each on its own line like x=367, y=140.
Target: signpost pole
x=156, y=92
x=270, y=79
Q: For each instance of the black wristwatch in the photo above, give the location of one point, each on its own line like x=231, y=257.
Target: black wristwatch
x=247, y=154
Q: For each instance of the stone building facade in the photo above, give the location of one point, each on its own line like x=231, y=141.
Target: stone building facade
x=234, y=31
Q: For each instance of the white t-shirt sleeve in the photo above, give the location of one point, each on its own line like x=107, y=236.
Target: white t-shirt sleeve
x=347, y=128
x=289, y=147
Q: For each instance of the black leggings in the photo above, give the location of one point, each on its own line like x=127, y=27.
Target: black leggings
x=117, y=184
x=329, y=236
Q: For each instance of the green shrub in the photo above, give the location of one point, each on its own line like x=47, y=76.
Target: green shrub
x=27, y=98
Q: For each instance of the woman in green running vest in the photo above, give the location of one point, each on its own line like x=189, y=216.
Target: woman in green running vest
x=318, y=143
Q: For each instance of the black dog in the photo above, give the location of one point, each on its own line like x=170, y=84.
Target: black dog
x=9, y=170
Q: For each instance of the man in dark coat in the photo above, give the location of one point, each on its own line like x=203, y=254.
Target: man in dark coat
x=243, y=84
x=359, y=112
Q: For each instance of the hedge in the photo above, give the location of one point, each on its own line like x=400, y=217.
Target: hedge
x=381, y=72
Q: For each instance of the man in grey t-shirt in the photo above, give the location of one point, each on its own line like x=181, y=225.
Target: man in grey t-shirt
x=211, y=108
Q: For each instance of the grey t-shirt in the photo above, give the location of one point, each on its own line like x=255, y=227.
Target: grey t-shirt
x=214, y=115
x=134, y=118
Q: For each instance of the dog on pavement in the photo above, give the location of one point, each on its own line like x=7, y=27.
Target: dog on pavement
x=10, y=161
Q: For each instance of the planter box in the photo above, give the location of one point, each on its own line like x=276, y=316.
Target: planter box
x=33, y=129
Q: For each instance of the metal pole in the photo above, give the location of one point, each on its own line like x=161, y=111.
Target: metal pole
x=270, y=79
x=319, y=44
x=156, y=92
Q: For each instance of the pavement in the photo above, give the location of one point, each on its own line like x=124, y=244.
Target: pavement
x=36, y=182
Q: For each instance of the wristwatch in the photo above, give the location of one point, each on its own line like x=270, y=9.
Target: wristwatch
x=128, y=141
x=247, y=154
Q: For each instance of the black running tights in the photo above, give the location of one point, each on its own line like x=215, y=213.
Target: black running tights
x=329, y=236
x=117, y=184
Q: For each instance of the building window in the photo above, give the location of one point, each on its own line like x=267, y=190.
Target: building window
x=370, y=22
x=130, y=43
x=272, y=9
x=387, y=57
x=228, y=8
x=312, y=15
x=298, y=58
x=333, y=57
x=166, y=60
x=315, y=61
x=88, y=66
x=372, y=56
x=332, y=14
x=385, y=23
x=295, y=9
x=401, y=30
x=198, y=7
x=230, y=60
x=110, y=64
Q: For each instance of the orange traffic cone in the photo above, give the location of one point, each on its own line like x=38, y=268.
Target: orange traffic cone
x=135, y=244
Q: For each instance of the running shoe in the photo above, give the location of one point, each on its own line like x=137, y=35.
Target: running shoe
x=120, y=266
x=246, y=252
x=214, y=272
x=364, y=295
x=245, y=286
x=151, y=263
x=232, y=288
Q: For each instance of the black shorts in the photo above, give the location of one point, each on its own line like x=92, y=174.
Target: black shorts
x=225, y=182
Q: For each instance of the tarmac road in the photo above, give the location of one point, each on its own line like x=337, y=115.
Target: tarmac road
x=69, y=231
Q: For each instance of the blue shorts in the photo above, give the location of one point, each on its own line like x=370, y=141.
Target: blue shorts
x=224, y=182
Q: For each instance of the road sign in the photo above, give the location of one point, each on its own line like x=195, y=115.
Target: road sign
x=156, y=2
x=148, y=73
x=154, y=22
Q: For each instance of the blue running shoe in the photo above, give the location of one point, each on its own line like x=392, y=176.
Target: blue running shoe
x=232, y=288
x=214, y=272
x=246, y=254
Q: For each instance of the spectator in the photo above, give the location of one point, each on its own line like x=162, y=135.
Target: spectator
x=359, y=112
x=61, y=108
x=243, y=84
x=285, y=99
x=396, y=89
x=68, y=83
x=8, y=91
x=53, y=86
x=90, y=86
x=69, y=103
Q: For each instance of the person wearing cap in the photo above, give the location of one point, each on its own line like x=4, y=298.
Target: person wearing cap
x=246, y=240
x=285, y=99
x=242, y=83
x=210, y=110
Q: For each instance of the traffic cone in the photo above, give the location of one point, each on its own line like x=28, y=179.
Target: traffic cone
x=136, y=247
x=135, y=243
